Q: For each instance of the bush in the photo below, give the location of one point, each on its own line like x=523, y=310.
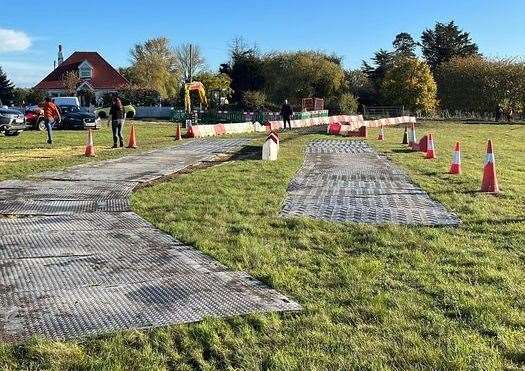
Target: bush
x=140, y=97
x=348, y=104
x=345, y=104
x=22, y=96
x=481, y=85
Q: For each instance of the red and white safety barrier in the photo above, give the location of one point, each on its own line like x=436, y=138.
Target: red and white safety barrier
x=201, y=131
x=358, y=128
x=351, y=125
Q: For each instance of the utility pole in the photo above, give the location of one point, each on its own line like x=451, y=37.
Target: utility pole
x=191, y=60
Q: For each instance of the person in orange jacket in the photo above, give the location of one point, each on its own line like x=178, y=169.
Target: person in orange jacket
x=51, y=114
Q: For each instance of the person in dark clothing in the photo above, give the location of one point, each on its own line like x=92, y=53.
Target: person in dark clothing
x=499, y=111
x=116, y=115
x=286, y=113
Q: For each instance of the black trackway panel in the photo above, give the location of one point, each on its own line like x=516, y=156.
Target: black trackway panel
x=75, y=261
x=348, y=181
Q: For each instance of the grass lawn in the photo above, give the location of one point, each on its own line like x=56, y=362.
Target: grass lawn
x=28, y=153
x=374, y=297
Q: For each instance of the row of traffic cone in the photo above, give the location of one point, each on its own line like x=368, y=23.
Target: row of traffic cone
x=489, y=182
x=90, y=147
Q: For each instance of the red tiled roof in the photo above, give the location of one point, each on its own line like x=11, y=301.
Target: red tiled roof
x=104, y=75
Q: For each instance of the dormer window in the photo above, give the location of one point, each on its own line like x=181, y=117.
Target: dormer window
x=85, y=71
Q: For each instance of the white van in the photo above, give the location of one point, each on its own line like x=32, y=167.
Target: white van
x=66, y=101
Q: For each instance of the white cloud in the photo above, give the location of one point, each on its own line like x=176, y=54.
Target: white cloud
x=11, y=40
x=24, y=74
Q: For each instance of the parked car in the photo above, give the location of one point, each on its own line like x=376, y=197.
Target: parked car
x=103, y=112
x=73, y=117
x=32, y=115
x=66, y=101
x=12, y=122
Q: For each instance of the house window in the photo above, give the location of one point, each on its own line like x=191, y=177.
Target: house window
x=85, y=72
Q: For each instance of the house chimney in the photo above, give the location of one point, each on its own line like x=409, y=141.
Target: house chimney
x=60, y=56
x=54, y=65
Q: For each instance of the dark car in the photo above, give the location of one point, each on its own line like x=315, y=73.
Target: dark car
x=72, y=117
x=12, y=122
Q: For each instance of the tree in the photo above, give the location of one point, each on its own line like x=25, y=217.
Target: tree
x=154, y=67
x=404, y=45
x=253, y=100
x=239, y=47
x=70, y=80
x=128, y=74
x=36, y=96
x=445, y=42
x=382, y=61
x=190, y=61
x=359, y=85
x=246, y=73
x=302, y=74
x=20, y=96
x=6, y=88
x=410, y=83
x=334, y=58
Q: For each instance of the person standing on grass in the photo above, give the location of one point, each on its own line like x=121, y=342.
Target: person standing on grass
x=116, y=115
x=51, y=115
x=286, y=113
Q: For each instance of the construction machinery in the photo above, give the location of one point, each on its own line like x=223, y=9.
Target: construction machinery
x=198, y=87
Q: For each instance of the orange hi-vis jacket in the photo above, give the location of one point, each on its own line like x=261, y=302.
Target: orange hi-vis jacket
x=50, y=110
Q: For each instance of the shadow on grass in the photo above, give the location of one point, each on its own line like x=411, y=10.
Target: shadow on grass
x=291, y=134
x=249, y=152
x=403, y=150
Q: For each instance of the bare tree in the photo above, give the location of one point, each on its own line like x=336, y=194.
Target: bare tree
x=70, y=80
x=240, y=47
x=190, y=61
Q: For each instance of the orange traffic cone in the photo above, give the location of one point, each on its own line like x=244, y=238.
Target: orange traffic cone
x=455, y=168
x=405, y=136
x=178, y=136
x=431, y=153
x=132, y=143
x=190, y=133
x=490, y=181
x=90, y=148
x=381, y=134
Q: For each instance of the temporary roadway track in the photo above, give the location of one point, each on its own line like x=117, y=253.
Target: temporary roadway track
x=348, y=181
x=75, y=261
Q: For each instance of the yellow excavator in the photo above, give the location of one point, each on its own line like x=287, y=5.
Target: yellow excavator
x=199, y=88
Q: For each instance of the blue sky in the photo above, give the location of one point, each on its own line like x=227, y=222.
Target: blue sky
x=30, y=32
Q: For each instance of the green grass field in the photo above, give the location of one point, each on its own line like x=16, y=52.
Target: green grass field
x=29, y=153
x=374, y=297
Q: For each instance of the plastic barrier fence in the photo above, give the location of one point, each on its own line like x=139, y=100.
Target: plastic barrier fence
x=337, y=125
